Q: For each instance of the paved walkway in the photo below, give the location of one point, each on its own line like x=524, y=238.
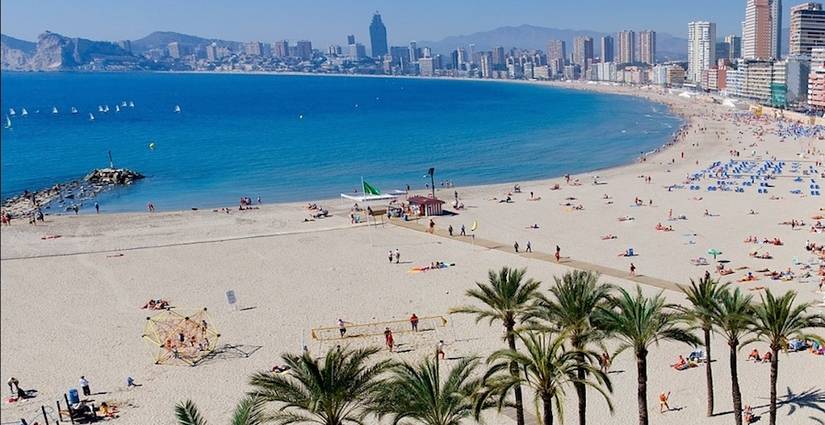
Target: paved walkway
x=536, y=255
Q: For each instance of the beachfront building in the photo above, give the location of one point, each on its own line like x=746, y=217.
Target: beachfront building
x=303, y=49
x=701, y=49
x=378, y=36
x=605, y=71
x=816, y=79
x=583, y=52
x=764, y=81
x=426, y=67
x=710, y=79
x=486, y=64
x=254, y=48
x=557, y=56
x=647, y=47
x=798, y=70
x=676, y=76
x=606, y=52
x=280, y=49
x=542, y=72
x=626, y=49
x=174, y=50
x=807, y=28
x=756, y=30
x=425, y=205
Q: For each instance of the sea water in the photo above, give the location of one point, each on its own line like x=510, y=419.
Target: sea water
x=291, y=138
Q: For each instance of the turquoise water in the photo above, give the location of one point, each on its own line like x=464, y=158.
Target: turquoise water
x=289, y=138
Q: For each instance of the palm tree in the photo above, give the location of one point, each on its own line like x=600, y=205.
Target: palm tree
x=638, y=322
x=416, y=392
x=248, y=412
x=548, y=369
x=336, y=391
x=507, y=298
x=732, y=318
x=704, y=297
x=777, y=320
x=575, y=297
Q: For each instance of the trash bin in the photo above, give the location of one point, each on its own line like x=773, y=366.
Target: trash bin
x=74, y=397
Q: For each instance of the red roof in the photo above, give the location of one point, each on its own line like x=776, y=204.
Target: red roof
x=424, y=200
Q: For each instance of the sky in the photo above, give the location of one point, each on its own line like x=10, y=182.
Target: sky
x=329, y=21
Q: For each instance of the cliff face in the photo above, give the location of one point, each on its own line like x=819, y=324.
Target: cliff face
x=15, y=53
x=55, y=52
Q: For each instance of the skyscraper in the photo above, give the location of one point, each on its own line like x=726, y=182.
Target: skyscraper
x=174, y=49
x=626, y=51
x=499, y=59
x=350, y=40
x=582, y=51
x=557, y=50
x=807, y=28
x=756, y=30
x=212, y=52
x=734, y=43
x=701, y=49
x=606, y=54
x=776, y=28
x=647, y=47
x=486, y=64
x=378, y=36
x=413, y=52
x=281, y=49
x=303, y=49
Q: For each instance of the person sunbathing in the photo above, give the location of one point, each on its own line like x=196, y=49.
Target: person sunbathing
x=767, y=357
x=533, y=226
x=749, y=277
x=280, y=368
x=609, y=236
x=754, y=355
x=725, y=272
x=626, y=218
x=682, y=364
x=764, y=256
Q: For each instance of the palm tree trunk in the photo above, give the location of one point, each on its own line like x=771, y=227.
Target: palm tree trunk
x=581, y=392
x=511, y=341
x=734, y=378
x=709, y=372
x=548, y=410
x=641, y=370
x=774, y=376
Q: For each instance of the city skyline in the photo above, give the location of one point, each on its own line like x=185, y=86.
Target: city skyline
x=332, y=21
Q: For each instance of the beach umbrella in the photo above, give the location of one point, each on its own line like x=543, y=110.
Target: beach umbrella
x=714, y=252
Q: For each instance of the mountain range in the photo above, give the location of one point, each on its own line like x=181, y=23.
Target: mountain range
x=54, y=52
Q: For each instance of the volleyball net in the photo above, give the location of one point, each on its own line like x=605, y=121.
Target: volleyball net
x=372, y=329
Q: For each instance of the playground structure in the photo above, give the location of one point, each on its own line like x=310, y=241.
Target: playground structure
x=181, y=339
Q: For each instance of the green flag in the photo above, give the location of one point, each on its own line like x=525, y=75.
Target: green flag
x=370, y=190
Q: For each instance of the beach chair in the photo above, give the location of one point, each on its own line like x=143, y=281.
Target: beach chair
x=697, y=356
x=797, y=345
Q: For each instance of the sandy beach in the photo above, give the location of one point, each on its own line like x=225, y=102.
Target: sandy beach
x=73, y=287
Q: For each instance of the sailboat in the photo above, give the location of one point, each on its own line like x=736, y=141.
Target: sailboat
x=24, y=112
x=91, y=117
x=99, y=108
x=131, y=104
x=8, y=122
x=177, y=109
x=117, y=108
x=74, y=110
x=123, y=104
x=12, y=112
x=54, y=109
x=105, y=108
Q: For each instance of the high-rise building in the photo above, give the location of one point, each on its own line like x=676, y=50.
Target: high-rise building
x=701, y=49
x=303, y=49
x=557, y=51
x=350, y=40
x=606, y=54
x=647, y=47
x=775, y=7
x=734, y=43
x=174, y=49
x=583, y=51
x=400, y=55
x=357, y=51
x=125, y=45
x=413, y=52
x=378, y=36
x=626, y=49
x=212, y=52
x=426, y=67
x=499, y=59
x=254, y=48
x=756, y=30
x=722, y=51
x=461, y=59
x=280, y=49
x=486, y=64
x=807, y=28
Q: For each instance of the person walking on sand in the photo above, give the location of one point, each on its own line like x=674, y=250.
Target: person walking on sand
x=342, y=327
x=632, y=269
x=414, y=322
x=558, y=253
x=515, y=246
x=150, y=206
x=389, y=255
x=13, y=384
x=397, y=256
x=529, y=247
x=388, y=339
x=97, y=207
x=463, y=231
x=450, y=230
x=439, y=350
x=84, y=385
x=431, y=226
x=663, y=399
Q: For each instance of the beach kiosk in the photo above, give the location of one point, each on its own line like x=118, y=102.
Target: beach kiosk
x=424, y=205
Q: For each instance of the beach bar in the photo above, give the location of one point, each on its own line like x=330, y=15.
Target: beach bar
x=423, y=205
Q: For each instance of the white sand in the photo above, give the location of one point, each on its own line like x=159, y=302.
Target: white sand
x=69, y=308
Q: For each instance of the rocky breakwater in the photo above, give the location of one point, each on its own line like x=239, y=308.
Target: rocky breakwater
x=70, y=195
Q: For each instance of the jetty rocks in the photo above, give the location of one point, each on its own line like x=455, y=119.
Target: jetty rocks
x=67, y=196
x=112, y=176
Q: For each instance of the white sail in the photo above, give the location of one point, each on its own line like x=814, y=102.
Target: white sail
x=177, y=108
x=131, y=104
x=91, y=117
x=12, y=112
x=8, y=122
x=105, y=108
x=123, y=104
x=99, y=108
x=54, y=109
x=74, y=110
x=24, y=112
x=117, y=108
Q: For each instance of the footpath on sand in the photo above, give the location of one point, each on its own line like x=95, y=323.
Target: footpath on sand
x=541, y=256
